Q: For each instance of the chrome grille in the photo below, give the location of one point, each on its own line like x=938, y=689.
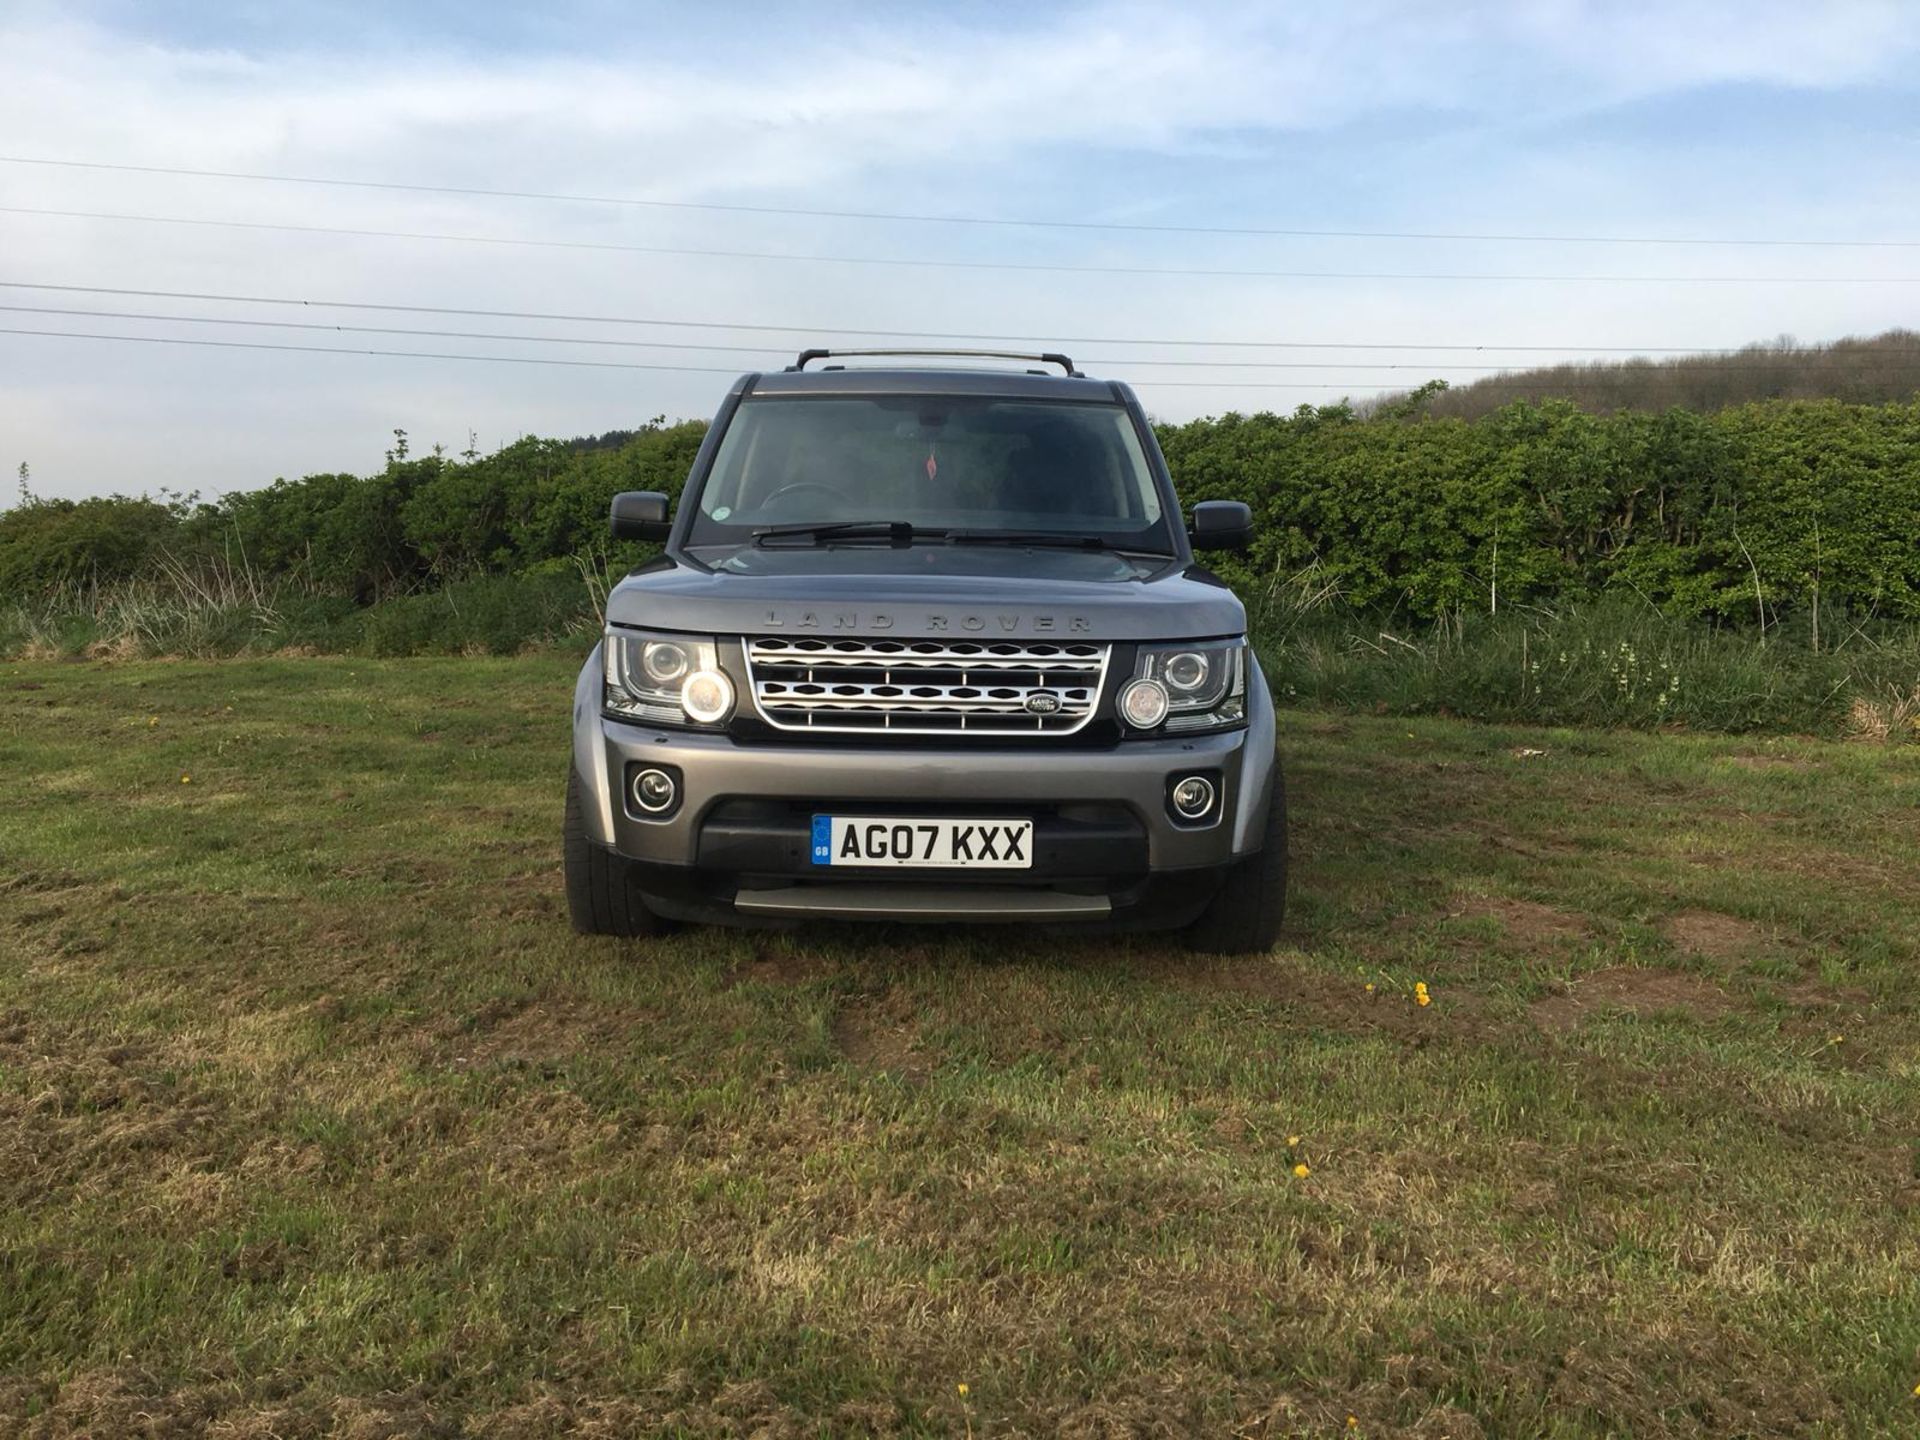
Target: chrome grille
x=926, y=687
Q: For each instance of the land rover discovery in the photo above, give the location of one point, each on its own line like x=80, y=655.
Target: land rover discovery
x=930, y=644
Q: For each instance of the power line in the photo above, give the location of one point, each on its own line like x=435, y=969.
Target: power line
x=401, y=354
x=392, y=330
x=922, y=263
x=1873, y=358
x=543, y=359
x=817, y=331
x=973, y=220
x=1518, y=382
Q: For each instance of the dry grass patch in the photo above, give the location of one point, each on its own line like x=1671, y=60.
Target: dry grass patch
x=1891, y=720
x=543, y=1031
x=1636, y=992
x=776, y=963
x=1527, y=923
x=882, y=1034
x=1328, y=1002
x=1770, y=761
x=1724, y=939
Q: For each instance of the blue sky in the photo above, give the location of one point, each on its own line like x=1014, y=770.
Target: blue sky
x=1564, y=118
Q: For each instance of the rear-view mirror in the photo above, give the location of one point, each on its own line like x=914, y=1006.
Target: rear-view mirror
x=640, y=515
x=1221, y=525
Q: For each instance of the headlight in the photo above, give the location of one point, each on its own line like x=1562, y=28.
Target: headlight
x=666, y=679
x=664, y=661
x=1200, y=686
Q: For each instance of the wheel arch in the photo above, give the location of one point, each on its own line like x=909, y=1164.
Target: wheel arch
x=1259, y=763
x=590, y=753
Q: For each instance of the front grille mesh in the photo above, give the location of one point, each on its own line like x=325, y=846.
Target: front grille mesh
x=926, y=687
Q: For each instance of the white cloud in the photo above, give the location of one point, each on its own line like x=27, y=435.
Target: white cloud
x=1155, y=112
x=1114, y=75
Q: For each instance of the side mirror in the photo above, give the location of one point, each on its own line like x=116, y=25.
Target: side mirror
x=640, y=515
x=1221, y=525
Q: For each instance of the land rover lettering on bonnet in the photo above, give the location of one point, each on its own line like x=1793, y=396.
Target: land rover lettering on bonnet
x=927, y=640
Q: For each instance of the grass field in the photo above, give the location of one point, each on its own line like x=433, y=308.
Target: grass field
x=315, y=1118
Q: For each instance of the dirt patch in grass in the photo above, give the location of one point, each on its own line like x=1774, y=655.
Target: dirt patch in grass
x=1535, y=847
x=528, y=893
x=1526, y=922
x=1724, y=939
x=882, y=1033
x=1839, y=867
x=1637, y=992
x=774, y=964
x=544, y=1031
x=85, y=1108
x=1817, y=995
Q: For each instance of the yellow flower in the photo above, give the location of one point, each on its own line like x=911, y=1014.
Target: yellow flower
x=186, y=779
x=1301, y=1171
x=1353, y=1422
x=1292, y=1140
x=1423, y=998
x=152, y=720
x=1369, y=987
x=1419, y=987
x=961, y=1387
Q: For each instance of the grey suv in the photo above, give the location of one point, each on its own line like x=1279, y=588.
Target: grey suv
x=927, y=644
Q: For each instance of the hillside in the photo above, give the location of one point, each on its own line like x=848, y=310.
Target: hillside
x=1881, y=368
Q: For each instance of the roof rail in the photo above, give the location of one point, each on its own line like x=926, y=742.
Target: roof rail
x=1050, y=357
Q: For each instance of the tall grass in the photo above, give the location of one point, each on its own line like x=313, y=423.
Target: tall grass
x=224, y=609
x=1614, y=664
x=217, y=607
x=1617, y=664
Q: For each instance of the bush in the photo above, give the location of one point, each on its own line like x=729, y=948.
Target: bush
x=49, y=544
x=1748, y=514
x=1614, y=664
x=490, y=614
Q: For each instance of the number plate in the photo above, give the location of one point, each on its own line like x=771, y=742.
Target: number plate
x=926, y=844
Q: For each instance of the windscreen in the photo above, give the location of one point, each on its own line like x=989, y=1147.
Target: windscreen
x=958, y=464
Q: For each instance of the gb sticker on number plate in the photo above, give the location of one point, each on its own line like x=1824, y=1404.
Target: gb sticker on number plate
x=942, y=843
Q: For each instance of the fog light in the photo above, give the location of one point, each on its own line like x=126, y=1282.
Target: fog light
x=1144, y=703
x=654, y=791
x=1192, y=797
x=707, y=697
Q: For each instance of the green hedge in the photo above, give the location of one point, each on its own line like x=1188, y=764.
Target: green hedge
x=1736, y=514
x=1744, y=514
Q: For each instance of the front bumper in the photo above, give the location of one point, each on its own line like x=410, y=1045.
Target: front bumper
x=1105, y=843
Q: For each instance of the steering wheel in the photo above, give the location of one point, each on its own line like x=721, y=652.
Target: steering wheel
x=800, y=487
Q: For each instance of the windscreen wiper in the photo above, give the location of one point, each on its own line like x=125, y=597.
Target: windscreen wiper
x=894, y=532
x=1025, y=538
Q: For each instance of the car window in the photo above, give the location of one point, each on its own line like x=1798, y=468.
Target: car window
x=934, y=461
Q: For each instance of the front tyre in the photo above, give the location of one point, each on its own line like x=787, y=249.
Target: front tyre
x=1244, y=917
x=602, y=898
